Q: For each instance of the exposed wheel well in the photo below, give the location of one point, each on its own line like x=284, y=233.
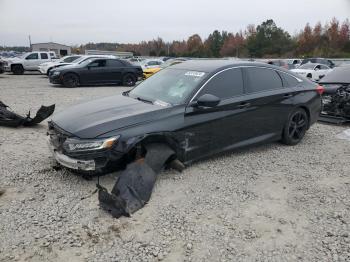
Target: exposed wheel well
x=139, y=148
x=13, y=65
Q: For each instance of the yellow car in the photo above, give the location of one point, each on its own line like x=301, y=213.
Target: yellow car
x=151, y=71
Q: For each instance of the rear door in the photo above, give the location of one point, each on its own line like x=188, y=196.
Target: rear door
x=270, y=102
x=114, y=70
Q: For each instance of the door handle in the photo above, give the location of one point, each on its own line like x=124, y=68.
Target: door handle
x=243, y=105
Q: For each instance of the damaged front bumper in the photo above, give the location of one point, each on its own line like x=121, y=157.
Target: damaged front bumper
x=76, y=164
x=94, y=161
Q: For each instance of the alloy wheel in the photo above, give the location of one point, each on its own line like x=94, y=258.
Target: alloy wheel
x=297, y=126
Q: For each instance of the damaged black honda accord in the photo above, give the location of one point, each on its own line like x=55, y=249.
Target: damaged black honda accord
x=197, y=108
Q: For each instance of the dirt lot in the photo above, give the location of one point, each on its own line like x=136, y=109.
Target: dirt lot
x=268, y=203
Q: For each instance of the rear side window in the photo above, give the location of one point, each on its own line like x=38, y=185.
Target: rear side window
x=288, y=80
x=262, y=79
x=114, y=63
x=226, y=84
x=44, y=56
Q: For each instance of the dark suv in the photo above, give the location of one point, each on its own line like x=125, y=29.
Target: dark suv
x=97, y=71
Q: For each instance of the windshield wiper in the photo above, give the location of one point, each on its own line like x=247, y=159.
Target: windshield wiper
x=144, y=100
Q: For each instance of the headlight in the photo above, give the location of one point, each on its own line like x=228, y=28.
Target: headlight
x=56, y=73
x=77, y=145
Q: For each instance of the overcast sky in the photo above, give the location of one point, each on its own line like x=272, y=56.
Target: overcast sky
x=124, y=21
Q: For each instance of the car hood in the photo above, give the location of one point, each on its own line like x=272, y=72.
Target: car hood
x=14, y=60
x=97, y=117
x=65, y=67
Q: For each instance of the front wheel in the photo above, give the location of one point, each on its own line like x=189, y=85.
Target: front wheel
x=295, y=128
x=70, y=80
x=17, y=70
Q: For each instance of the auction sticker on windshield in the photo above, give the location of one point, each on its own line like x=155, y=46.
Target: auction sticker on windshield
x=194, y=74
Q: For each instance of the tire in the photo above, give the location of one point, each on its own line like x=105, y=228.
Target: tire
x=70, y=80
x=295, y=128
x=309, y=76
x=129, y=80
x=17, y=70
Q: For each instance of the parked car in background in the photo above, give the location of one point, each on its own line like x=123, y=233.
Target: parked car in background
x=28, y=62
x=45, y=68
x=293, y=63
x=198, y=108
x=322, y=61
x=313, y=71
x=336, y=98
x=97, y=71
x=151, y=63
x=136, y=60
x=278, y=62
x=2, y=66
x=150, y=71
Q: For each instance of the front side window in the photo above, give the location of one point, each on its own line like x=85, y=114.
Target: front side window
x=32, y=56
x=226, y=84
x=172, y=86
x=262, y=79
x=44, y=56
x=323, y=67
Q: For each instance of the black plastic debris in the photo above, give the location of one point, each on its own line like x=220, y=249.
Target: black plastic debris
x=134, y=186
x=11, y=119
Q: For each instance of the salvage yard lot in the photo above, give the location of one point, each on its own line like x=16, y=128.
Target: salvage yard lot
x=266, y=203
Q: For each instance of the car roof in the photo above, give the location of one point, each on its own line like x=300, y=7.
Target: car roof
x=214, y=65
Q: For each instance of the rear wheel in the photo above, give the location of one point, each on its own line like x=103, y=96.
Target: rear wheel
x=70, y=80
x=295, y=128
x=129, y=80
x=309, y=76
x=17, y=70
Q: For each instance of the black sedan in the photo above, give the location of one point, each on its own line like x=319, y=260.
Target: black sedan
x=198, y=108
x=97, y=71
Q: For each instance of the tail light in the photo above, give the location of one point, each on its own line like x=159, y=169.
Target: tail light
x=320, y=89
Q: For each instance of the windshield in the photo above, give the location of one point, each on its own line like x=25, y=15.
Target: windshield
x=172, y=86
x=70, y=59
x=307, y=66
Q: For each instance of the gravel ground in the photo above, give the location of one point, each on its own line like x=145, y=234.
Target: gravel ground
x=268, y=203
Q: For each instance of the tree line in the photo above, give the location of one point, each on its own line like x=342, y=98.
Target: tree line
x=265, y=40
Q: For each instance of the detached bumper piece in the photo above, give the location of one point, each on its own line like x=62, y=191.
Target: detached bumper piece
x=134, y=186
x=11, y=119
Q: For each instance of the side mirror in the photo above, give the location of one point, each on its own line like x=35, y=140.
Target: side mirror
x=208, y=100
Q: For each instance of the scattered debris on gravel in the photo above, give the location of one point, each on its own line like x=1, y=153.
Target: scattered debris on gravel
x=266, y=203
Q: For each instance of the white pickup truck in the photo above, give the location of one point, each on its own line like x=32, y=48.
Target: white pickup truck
x=28, y=62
